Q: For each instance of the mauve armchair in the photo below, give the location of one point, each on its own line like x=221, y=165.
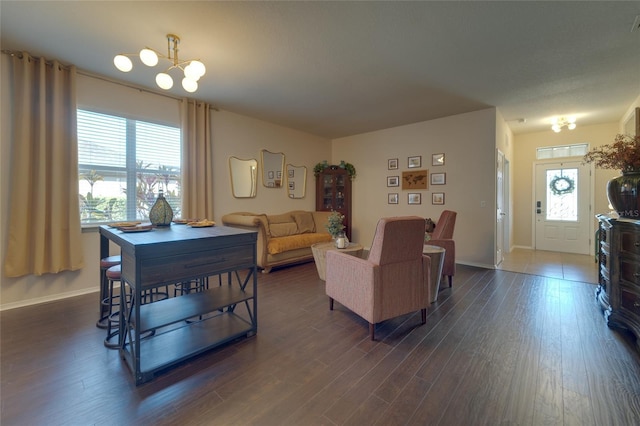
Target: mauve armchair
x=442, y=236
x=392, y=281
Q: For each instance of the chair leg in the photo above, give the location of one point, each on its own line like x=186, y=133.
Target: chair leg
x=450, y=279
x=331, y=303
x=424, y=315
x=372, y=331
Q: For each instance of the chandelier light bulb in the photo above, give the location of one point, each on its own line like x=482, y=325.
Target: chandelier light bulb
x=164, y=81
x=556, y=128
x=189, y=85
x=123, y=63
x=191, y=73
x=571, y=126
x=149, y=57
x=198, y=68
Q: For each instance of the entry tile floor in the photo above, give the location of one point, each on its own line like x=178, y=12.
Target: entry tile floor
x=567, y=266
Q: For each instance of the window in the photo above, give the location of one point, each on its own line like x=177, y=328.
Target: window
x=576, y=150
x=123, y=164
x=562, y=194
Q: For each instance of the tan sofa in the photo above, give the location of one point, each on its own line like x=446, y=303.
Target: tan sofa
x=283, y=239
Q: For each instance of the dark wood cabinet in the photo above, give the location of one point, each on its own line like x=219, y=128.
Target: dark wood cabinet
x=333, y=192
x=619, y=277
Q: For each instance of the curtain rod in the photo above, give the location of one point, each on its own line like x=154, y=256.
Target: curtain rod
x=86, y=73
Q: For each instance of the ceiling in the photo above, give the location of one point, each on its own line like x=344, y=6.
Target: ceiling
x=338, y=68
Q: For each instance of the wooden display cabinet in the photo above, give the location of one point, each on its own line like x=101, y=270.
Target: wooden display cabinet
x=333, y=192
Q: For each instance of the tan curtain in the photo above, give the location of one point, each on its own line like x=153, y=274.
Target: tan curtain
x=44, y=233
x=197, y=160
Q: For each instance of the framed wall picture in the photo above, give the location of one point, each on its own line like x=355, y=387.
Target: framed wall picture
x=415, y=179
x=392, y=198
x=414, y=162
x=414, y=198
x=393, y=180
x=632, y=123
x=392, y=164
x=437, y=198
x=438, y=178
x=437, y=160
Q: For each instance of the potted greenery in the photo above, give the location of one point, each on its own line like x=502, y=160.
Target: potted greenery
x=334, y=224
x=624, y=155
x=350, y=168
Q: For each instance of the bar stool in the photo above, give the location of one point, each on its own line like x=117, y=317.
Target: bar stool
x=155, y=294
x=192, y=286
x=105, y=264
x=112, y=301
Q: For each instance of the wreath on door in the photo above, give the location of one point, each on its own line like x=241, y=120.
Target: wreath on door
x=561, y=185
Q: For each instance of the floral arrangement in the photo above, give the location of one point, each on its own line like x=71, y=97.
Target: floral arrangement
x=318, y=168
x=623, y=154
x=334, y=223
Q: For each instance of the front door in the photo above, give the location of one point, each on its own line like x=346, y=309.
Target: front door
x=562, y=211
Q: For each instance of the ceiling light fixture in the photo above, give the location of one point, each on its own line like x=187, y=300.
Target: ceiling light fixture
x=560, y=122
x=193, y=69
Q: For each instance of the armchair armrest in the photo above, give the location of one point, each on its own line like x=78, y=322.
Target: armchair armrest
x=352, y=282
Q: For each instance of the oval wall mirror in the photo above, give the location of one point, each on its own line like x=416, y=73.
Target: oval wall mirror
x=296, y=181
x=244, y=177
x=272, y=168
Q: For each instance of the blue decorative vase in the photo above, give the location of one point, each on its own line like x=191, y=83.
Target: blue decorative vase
x=161, y=214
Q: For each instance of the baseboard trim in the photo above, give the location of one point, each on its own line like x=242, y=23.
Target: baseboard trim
x=39, y=300
x=477, y=265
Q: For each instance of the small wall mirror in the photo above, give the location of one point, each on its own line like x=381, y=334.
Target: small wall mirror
x=244, y=177
x=272, y=169
x=296, y=181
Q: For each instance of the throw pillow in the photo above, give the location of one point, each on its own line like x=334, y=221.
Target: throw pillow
x=305, y=222
x=279, y=218
x=283, y=229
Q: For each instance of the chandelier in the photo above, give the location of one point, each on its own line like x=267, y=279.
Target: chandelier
x=559, y=122
x=193, y=69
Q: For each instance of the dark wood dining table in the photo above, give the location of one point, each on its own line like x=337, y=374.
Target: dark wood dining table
x=162, y=334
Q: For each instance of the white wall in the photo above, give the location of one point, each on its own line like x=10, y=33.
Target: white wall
x=468, y=142
x=244, y=137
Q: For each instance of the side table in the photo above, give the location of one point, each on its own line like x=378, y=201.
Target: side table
x=437, y=260
x=320, y=250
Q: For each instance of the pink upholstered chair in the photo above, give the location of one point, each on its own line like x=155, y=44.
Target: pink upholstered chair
x=442, y=236
x=392, y=281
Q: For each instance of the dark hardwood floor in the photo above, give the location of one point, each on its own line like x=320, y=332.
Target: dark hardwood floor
x=498, y=348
